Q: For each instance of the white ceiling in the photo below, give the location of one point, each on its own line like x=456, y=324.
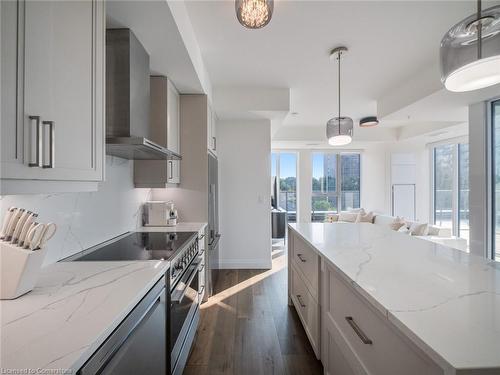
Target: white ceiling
x=389, y=43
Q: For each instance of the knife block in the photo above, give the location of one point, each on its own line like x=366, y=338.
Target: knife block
x=19, y=270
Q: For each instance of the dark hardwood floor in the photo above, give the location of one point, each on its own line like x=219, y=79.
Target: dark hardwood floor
x=247, y=327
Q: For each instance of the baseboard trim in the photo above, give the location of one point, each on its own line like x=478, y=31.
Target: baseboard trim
x=265, y=264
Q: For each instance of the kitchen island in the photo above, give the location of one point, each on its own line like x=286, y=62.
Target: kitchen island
x=377, y=301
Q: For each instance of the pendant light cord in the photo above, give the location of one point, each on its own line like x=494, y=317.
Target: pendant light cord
x=479, y=31
x=340, y=53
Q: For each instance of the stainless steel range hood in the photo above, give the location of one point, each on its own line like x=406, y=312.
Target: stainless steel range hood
x=128, y=101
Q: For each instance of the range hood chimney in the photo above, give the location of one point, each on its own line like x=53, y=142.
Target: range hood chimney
x=128, y=101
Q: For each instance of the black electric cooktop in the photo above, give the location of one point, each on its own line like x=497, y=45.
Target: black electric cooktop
x=138, y=246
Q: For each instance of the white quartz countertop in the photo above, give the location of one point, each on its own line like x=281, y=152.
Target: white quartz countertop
x=72, y=310
x=445, y=300
x=180, y=227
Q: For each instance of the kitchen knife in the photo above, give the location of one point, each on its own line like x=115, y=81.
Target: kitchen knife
x=26, y=228
x=30, y=235
x=19, y=226
x=12, y=224
x=6, y=222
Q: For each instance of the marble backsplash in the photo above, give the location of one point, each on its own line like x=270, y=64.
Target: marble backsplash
x=86, y=219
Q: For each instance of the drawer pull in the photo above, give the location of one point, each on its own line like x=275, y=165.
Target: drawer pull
x=358, y=331
x=301, y=258
x=299, y=298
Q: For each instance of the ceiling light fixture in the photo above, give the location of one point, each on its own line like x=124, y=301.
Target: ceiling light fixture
x=470, y=52
x=368, y=122
x=254, y=14
x=339, y=129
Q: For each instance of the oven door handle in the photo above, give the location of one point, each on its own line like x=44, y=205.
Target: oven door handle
x=178, y=295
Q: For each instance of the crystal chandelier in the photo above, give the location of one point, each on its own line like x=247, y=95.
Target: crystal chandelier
x=254, y=14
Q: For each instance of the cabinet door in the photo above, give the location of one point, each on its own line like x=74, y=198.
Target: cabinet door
x=11, y=129
x=173, y=139
x=173, y=123
x=63, y=45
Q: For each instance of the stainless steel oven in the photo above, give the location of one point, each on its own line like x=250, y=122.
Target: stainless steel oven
x=184, y=314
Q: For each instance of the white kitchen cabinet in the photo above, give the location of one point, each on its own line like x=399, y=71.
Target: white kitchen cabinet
x=165, y=131
x=212, y=131
x=303, y=287
x=363, y=341
x=53, y=82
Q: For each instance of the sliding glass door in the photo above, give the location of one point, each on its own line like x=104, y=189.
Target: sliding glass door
x=451, y=187
x=284, y=173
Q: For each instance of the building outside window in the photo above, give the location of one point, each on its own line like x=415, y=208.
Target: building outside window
x=335, y=183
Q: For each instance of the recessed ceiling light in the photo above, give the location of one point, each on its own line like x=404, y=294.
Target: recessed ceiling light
x=367, y=122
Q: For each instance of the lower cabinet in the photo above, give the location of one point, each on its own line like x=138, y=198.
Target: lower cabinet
x=348, y=334
x=303, y=291
x=358, y=339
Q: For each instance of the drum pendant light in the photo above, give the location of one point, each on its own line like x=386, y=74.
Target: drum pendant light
x=470, y=52
x=339, y=129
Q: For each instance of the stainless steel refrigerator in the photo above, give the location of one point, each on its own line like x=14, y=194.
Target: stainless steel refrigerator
x=213, y=223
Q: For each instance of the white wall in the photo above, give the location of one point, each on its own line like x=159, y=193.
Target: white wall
x=87, y=219
x=244, y=153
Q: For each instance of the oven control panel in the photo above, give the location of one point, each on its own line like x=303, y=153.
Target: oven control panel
x=183, y=260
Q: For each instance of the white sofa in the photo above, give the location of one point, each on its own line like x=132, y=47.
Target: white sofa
x=434, y=233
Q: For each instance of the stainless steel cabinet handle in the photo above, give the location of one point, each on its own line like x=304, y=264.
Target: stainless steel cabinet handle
x=202, y=289
x=215, y=143
x=52, y=134
x=201, y=268
x=362, y=336
x=299, y=298
x=301, y=258
x=170, y=169
x=38, y=148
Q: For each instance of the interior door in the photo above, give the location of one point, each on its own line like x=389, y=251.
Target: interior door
x=403, y=200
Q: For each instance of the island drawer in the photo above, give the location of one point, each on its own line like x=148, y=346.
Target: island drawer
x=307, y=308
x=307, y=262
x=379, y=347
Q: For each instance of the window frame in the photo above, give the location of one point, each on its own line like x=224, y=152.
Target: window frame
x=491, y=194
x=455, y=204
x=338, y=176
x=278, y=152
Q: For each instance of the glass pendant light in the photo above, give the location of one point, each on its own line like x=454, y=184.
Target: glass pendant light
x=254, y=14
x=339, y=129
x=470, y=52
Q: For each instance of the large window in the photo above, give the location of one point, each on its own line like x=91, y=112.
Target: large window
x=284, y=171
x=335, y=183
x=451, y=187
x=495, y=117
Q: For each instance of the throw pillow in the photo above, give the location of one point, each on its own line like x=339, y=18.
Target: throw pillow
x=365, y=218
x=404, y=229
x=397, y=223
x=418, y=229
x=349, y=217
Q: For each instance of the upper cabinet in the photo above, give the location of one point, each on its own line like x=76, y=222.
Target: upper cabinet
x=165, y=131
x=52, y=90
x=211, y=131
